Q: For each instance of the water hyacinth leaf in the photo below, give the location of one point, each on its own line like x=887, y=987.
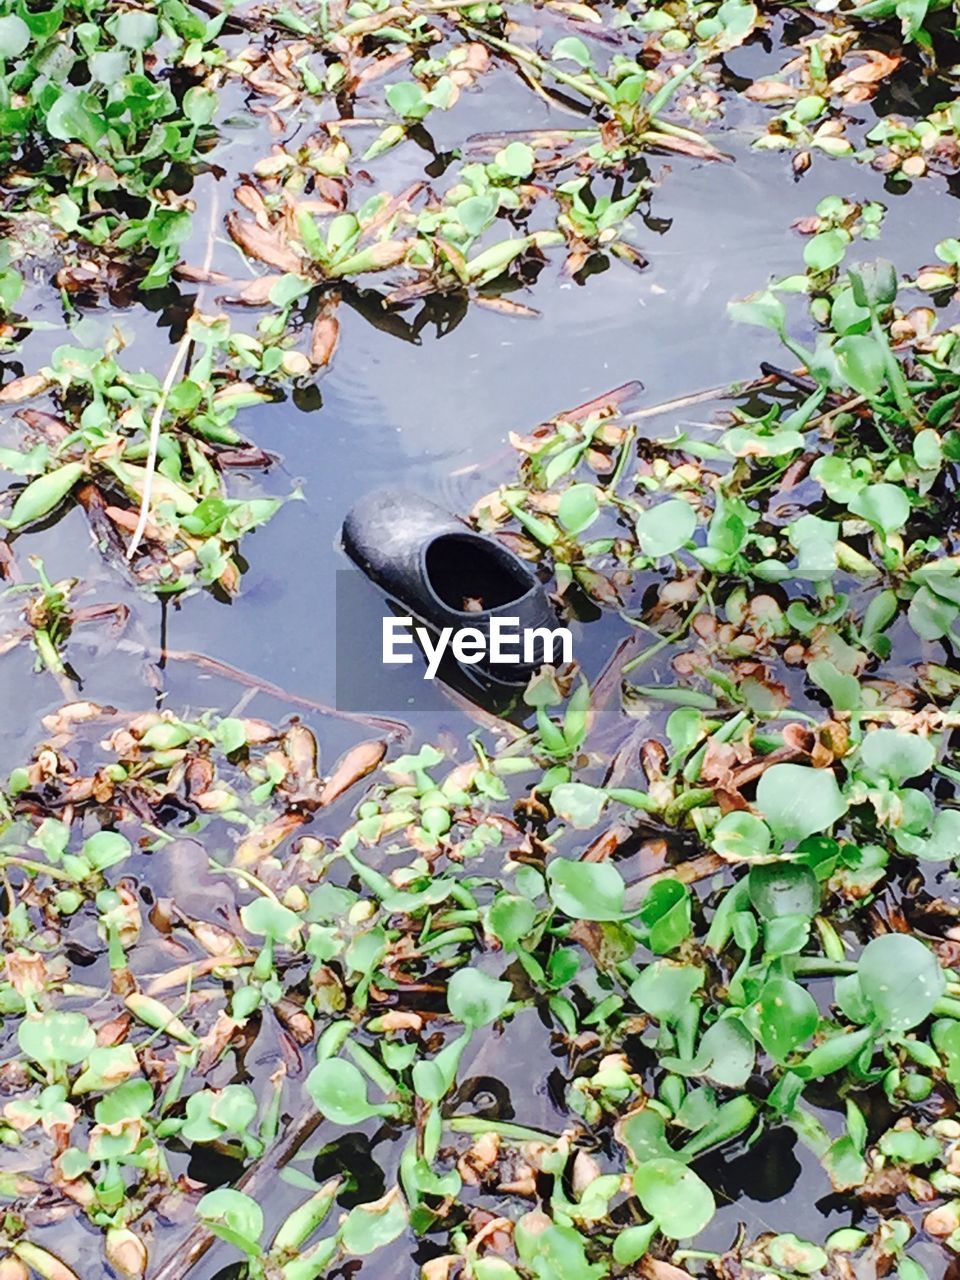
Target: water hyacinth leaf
x=930, y=616
x=476, y=213
x=135, y=30
x=943, y=842
x=579, y=507
x=511, y=918
x=586, y=890
x=57, y=1038
x=14, y=36
x=105, y=848
x=740, y=836
x=679, y=1199
x=270, y=919
x=885, y=506
x=901, y=980
x=107, y=1067
x=666, y=912
x=861, y=364
x=340, y=1092
x=765, y=310
x=907, y=1146
x=578, y=803
x=551, y=1249
x=795, y=1255
x=369, y=1227
x=799, y=801
x=573, y=48
x=407, y=99
x=200, y=105
x=517, y=159
x=664, y=988
x=842, y=690
x=644, y=1134
x=786, y=1016
x=665, y=528
x=825, y=249
x=874, y=284
x=779, y=889
x=233, y=1217
x=896, y=755
x=42, y=495
x=476, y=999
x=727, y=1051
x=632, y=1243
x=74, y=117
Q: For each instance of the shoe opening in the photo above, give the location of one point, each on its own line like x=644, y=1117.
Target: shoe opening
x=470, y=574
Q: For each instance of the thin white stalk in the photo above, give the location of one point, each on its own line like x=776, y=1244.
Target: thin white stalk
x=146, y=496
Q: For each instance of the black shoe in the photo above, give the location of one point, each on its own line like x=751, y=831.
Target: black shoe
x=445, y=574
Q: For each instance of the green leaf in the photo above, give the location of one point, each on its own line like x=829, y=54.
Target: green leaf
x=511, y=918
x=553, y=1250
x=786, y=1016
x=860, y=361
x=665, y=528
x=573, y=48
x=579, y=507
x=885, y=506
x=825, y=249
x=739, y=836
x=664, y=988
x=408, y=99
x=901, y=980
x=75, y=117
x=909, y=1147
x=586, y=890
x=475, y=999
x=578, y=803
x=234, y=1217
x=799, y=801
x=632, y=1243
x=780, y=889
x=842, y=690
x=517, y=159
x=727, y=1051
x=369, y=1227
x=930, y=616
x=135, y=29
x=340, y=1092
x=105, y=849
x=42, y=495
x=200, y=105
x=270, y=919
x=896, y=755
x=797, y=1256
x=477, y=212
x=14, y=36
x=675, y=1196
x=57, y=1038
x=765, y=310
x=666, y=913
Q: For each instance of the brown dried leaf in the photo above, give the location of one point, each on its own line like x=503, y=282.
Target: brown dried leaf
x=771, y=91
x=25, y=388
x=350, y=768
x=324, y=339
x=262, y=244
x=261, y=843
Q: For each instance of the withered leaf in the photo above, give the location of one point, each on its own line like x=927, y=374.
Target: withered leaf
x=266, y=245
x=351, y=767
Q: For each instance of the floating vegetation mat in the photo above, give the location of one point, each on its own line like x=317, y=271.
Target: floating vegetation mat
x=518, y=1006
